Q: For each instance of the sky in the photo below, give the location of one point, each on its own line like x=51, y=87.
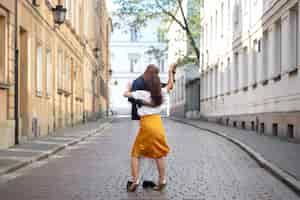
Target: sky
x=110, y=5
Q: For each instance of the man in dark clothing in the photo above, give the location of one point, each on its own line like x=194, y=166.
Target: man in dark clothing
x=138, y=84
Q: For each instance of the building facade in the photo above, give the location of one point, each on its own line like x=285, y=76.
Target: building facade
x=59, y=68
x=129, y=59
x=7, y=29
x=249, y=65
x=184, y=101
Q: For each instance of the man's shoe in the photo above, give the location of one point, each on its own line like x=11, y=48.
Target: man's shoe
x=148, y=184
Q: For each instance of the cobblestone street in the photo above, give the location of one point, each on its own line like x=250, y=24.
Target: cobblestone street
x=200, y=166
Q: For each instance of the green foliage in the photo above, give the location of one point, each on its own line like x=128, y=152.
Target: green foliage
x=156, y=52
x=136, y=13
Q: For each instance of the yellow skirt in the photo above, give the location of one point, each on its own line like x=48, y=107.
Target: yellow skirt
x=151, y=140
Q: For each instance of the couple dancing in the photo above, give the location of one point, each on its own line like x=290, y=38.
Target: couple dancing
x=147, y=95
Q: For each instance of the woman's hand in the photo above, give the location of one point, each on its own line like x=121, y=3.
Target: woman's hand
x=128, y=89
x=129, y=86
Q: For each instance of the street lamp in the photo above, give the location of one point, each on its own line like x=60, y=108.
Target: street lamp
x=110, y=72
x=35, y=3
x=59, y=14
x=96, y=52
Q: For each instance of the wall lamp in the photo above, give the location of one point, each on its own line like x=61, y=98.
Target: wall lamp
x=59, y=14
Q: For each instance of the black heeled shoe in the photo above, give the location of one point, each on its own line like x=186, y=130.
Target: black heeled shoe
x=160, y=187
x=132, y=186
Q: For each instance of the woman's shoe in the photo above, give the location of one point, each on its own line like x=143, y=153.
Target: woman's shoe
x=160, y=187
x=132, y=186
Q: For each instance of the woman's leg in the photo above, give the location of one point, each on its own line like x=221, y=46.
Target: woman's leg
x=135, y=169
x=161, y=167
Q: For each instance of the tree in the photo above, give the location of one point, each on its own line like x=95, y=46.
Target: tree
x=136, y=13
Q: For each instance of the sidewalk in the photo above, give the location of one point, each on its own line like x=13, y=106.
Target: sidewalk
x=279, y=156
x=41, y=148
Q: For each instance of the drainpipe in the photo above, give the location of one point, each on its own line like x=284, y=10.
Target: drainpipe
x=16, y=76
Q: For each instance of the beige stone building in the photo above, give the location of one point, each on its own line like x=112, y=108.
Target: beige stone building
x=6, y=72
x=59, y=66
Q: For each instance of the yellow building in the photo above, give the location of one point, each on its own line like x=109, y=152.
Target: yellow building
x=58, y=66
x=105, y=30
x=7, y=122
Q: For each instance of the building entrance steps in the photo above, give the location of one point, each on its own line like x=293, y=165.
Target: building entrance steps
x=40, y=148
x=279, y=156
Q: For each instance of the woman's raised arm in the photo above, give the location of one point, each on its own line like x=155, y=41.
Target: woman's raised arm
x=172, y=71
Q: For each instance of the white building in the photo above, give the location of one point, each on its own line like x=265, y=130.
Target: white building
x=250, y=62
x=184, y=95
x=177, y=48
x=129, y=60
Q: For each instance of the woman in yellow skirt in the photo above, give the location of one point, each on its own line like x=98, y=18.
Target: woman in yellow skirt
x=151, y=140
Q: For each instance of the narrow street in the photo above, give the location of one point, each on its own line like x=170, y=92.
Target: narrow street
x=200, y=166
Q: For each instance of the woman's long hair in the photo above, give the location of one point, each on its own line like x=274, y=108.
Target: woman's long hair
x=153, y=86
x=150, y=71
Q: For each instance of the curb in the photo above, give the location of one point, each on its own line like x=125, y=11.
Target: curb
x=280, y=174
x=46, y=155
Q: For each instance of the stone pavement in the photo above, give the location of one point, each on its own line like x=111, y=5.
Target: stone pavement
x=200, y=166
x=24, y=154
x=279, y=153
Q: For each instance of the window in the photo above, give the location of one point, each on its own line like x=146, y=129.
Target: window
x=275, y=129
x=3, y=48
x=253, y=66
x=68, y=7
x=162, y=65
x=290, y=131
x=202, y=61
x=133, y=34
x=160, y=36
x=49, y=73
x=264, y=70
x=74, y=13
x=236, y=16
x=245, y=67
x=59, y=69
x=259, y=46
x=297, y=35
x=211, y=32
x=67, y=74
x=216, y=77
x=294, y=37
x=39, y=70
x=228, y=14
x=222, y=19
x=235, y=72
x=206, y=36
x=278, y=49
x=77, y=16
x=228, y=75
x=133, y=60
x=220, y=81
x=216, y=25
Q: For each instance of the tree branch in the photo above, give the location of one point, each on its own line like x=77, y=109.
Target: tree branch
x=188, y=31
x=170, y=15
x=182, y=13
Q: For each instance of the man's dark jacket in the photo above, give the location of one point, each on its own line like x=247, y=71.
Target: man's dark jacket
x=138, y=84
